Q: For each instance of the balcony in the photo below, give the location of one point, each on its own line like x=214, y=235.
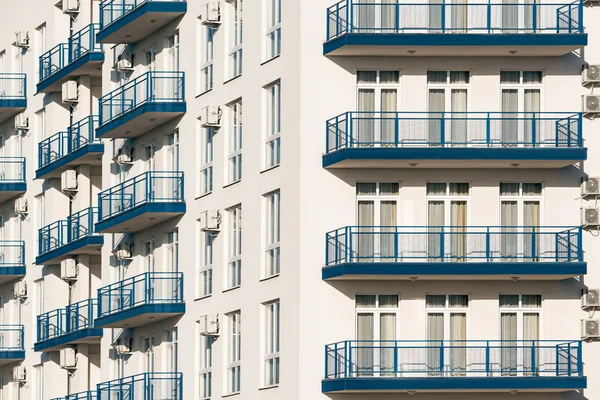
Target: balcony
x=454, y=140
x=142, y=104
x=12, y=260
x=12, y=341
x=454, y=252
x=147, y=386
x=13, y=94
x=460, y=366
x=92, y=395
x=81, y=55
x=73, y=236
x=140, y=202
x=77, y=145
x=128, y=21
x=356, y=28
x=12, y=177
x=140, y=300
x=63, y=327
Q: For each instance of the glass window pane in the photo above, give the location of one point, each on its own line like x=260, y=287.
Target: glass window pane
x=509, y=300
x=532, y=300
x=389, y=77
x=436, y=76
x=509, y=189
x=366, y=300
x=459, y=189
x=366, y=76
x=532, y=189
x=388, y=301
x=389, y=189
x=458, y=300
x=510, y=77
x=436, y=189
x=366, y=189
x=436, y=300
x=532, y=77
x=458, y=77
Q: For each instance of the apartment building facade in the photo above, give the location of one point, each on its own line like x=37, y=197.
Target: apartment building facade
x=416, y=181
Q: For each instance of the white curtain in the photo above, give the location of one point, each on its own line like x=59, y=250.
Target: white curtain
x=365, y=14
x=435, y=15
x=389, y=105
x=510, y=16
x=388, y=15
x=510, y=124
x=365, y=127
x=437, y=105
x=458, y=336
x=435, y=336
x=458, y=133
x=435, y=220
x=387, y=333
x=508, y=332
x=365, y=325
x=458, y=237
x=459, y=16
x=388, y=217
x=531, y=334
x=532, y=109
x=531, y=220
x=509, y=237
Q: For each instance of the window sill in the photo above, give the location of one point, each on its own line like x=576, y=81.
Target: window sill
x=269, y=387
x=202, y=195
x=203, y=297
x=229, y=290
x=270, y=168
x=206, y=91
x=231, y=184
x=268, y=278
x=232, y=79
x=231, y=394
x=270, y=59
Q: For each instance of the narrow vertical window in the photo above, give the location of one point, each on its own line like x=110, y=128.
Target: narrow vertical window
x=234, y=349
x=235, y=142
x=206, y=161
x=272, y=142
x=172, y=350
x=206, y=260
x=235, y=38
x=273, y=29
x=173, y=251
x=234, y=264
x=272, y=339
x=39, y=382
x=206, y=363
x=272, y=222
x=206, y=58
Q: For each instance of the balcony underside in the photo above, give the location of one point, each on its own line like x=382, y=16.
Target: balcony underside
x=140, y=315
x=11, y=107
x=141, y=22
x=8, y=190
x=9, y=274
x=455, y=271
x=454, y=157
x=455, y=384
x=454, y=44
x=141, y=217
x=11, y=356
x=87, y=336
x=88, y=65
x=90, y=154
x=85, y=245
x=141, y=120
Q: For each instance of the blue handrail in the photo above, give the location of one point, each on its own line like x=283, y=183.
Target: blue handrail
x=145, y=288
x=150, y=87
x=148, y=187
x=361, y=129
x=62, y=232
x=112, y=10
x=12, y=337
x=12, y=169
x=453, y=243
x=468, y=358
x=91, y=395
x=13, y=86
x=62, y=321
x=79, y=44
x=144, y=386
x=350, y=16
x=61, y=144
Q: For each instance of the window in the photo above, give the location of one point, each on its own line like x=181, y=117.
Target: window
x=40, y=44
x=148, y=352
x=206, y=58
x=173, y=251
x=235, y=38
x=172, y=350
x=377, y=212
x=520, y=215
x=206, y=260
x=206, y=363
x=149, y=256
x=206, y=160
x=40, y=209
x=446, y=321
x=377, y=99
x=272, y=339
x=173, y=151
x=448, y=93
x=235, y=142
x=234, y=349
x=272, y=221
x=519, y=320
x=234, y=264
x=272, y=143
x=273, y=25
x=447, y=207
x=521, y=96
x=376, y=319
x=39, y=382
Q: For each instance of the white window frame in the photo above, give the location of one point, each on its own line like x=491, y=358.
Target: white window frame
x=520, y=87
x=272, y=343
x=234, y=250
x=448, y=199
x=234, y=156
x=148, y=359
x=272, y=234
x=172, y=253
x=207, y=156
x=234, y=356
x=172, y=350
x=205, y=369
x=273, y=125
x=448, y=87
x=39, y=381
x=172, y=140
x=272, y=29
x=205, y=271
x=235, y=30
x=148, y=248
x=207, y=35
x=378, y=86
x=377, y=198
x=447, y=311
x=521, y=199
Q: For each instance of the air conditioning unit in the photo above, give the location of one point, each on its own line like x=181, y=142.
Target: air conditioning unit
x=22, y=39
x=124, y=159
x=19, y=374
x=70, y=92
x=210, y=13
x=210, y=220
x=70, y=6
x=21, y=122
x=209, y=325
x=69, y=270
x=124, y=65
x=20, y=289
x=210, y=117
x=590, y=216
x=68, y=181
x=123, y=254
x=591, y=104
x=124, y=346
x=68, y=358
x=591, y=186
x=590, y=328
x=591, y=298
x=591, y=74
x=21, y=206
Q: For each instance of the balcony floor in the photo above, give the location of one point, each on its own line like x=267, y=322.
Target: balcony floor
x=11, y=356
x=455, y=271
x=141, y=22
x=90, y=64
x=88, y=335
x=454, y=44
x=11, y=107
x=140, y=315
x=140, y=217
x=454, y=157
x=90, y=154
x=455, y=384
x=85, y=245
x=141, y=120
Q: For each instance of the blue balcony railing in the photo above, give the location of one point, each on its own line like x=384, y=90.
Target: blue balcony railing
x=151, y=87
x=61, y=144
x=469, y=358
x=146, y=386
x=111, y=10
x=12, y=169
x=12, y=338
x=12, y=253
x=63, y=321
x=60, y=56
x=357, y=129
x=91, y=395
x=13, y=86
x=351, y=16
x=368, y=244
x=149, y=187
x=144, y=289
x=62, y=232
